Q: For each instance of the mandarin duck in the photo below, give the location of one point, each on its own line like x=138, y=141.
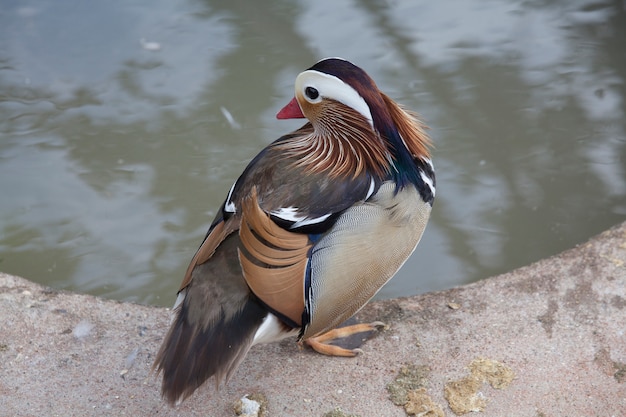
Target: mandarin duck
x=315, y=225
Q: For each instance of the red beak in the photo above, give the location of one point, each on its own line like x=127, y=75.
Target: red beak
x=291, y=111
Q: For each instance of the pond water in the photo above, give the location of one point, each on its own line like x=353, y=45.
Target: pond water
x=124, y=123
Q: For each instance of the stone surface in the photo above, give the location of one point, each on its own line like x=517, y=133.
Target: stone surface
x=558, y=325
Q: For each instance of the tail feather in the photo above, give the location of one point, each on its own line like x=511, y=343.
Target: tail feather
x=193, y=352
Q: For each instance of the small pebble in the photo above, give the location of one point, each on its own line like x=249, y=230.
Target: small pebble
x=247, y=407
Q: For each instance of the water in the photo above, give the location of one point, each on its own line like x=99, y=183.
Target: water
x=124, y=123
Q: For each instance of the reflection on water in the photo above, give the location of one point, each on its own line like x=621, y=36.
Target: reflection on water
x=114, y=156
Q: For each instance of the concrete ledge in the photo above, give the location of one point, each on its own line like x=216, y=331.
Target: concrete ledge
x=544, y=340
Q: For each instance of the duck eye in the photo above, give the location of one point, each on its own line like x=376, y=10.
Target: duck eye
x=311, y=93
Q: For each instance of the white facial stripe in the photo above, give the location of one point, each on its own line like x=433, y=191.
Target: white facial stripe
x=332, y=87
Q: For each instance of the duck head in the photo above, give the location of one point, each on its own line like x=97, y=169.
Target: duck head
x=338, y=97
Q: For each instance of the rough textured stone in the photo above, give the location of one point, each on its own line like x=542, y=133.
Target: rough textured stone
x=558, y=325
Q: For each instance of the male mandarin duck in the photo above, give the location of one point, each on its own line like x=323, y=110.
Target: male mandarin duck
x=315, y=225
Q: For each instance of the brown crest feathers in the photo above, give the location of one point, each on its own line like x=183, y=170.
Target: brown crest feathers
x=413, y=132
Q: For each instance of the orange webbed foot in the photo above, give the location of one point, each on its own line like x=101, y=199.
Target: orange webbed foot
x=320, y=343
